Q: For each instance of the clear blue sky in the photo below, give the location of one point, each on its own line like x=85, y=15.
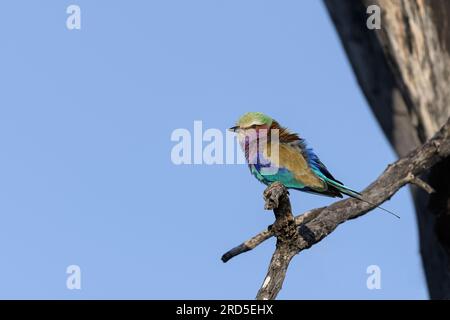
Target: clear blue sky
x=86, y=176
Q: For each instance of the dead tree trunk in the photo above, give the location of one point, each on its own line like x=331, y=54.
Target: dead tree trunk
x=404, y=71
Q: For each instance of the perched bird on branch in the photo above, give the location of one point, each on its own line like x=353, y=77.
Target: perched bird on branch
x=274, y=154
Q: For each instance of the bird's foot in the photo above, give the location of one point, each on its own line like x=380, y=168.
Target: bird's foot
x=272, y=195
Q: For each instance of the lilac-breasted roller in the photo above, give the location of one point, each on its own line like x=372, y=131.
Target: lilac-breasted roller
x=286, y=158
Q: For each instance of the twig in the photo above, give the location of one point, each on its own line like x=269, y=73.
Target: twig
x=421, y=184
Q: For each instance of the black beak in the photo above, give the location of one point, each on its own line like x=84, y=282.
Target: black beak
x=233, y=129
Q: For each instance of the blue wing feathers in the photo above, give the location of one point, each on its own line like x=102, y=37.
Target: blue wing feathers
x=314, y=161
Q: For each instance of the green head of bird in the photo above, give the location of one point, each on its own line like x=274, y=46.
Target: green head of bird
x=252, y=121
x=252, y=125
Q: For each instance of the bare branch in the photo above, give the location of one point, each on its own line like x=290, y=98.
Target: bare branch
x=286, y=231
x=275, y=275
x=267, y=234
x=421, y=184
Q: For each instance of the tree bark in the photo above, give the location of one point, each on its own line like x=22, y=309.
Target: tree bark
x=403, y=69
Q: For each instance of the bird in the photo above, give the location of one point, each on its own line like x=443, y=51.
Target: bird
x=287, y=158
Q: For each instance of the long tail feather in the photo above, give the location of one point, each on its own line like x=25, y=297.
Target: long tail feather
x=356, y=195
